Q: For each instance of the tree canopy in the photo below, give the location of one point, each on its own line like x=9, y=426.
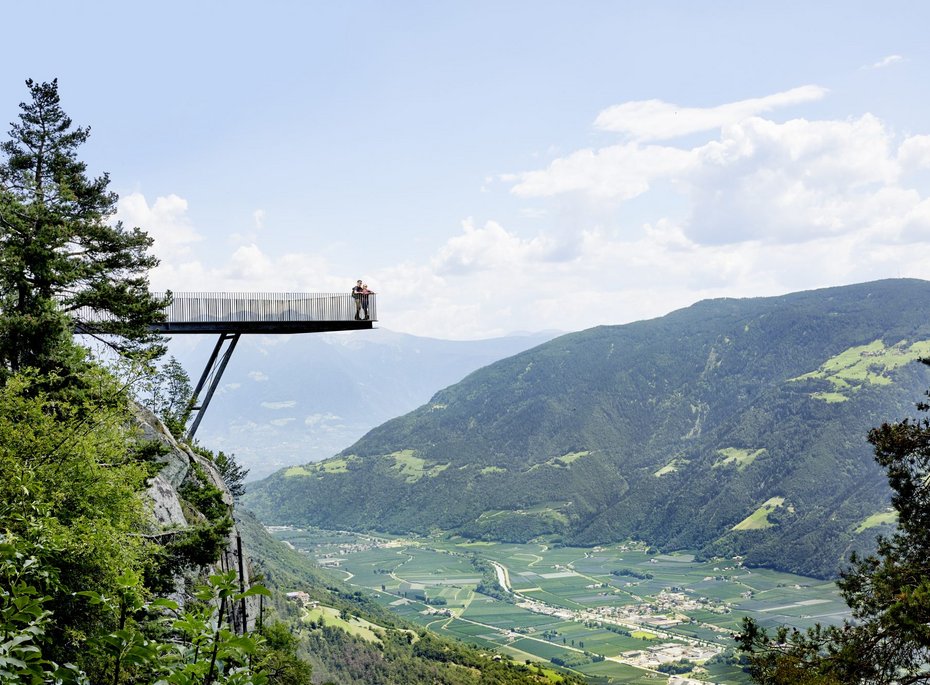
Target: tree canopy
x=168, y=393
x=81, y=563
x=61, y=254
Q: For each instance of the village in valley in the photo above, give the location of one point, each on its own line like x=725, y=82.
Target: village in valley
x=623, y=611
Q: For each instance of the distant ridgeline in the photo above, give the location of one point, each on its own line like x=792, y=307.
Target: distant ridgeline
x=735, y=426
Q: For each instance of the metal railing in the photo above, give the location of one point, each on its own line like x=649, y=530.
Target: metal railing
x=253, y=308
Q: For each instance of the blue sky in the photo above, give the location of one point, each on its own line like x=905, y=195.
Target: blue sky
x=489, y=167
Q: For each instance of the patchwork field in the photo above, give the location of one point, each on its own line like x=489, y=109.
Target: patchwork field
x=616, y=614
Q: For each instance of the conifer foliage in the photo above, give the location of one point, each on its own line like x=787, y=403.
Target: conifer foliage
x=60, y=250
x=81, y=566
x=168, y=393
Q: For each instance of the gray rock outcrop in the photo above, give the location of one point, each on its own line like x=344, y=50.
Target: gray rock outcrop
x=169, y=513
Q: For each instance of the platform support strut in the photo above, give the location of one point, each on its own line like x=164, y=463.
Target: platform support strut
x=212, y=373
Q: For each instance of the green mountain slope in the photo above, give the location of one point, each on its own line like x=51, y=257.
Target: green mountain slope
x=730, y=427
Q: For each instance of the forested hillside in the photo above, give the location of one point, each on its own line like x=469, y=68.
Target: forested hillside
x=111, y=533
x=735, y=426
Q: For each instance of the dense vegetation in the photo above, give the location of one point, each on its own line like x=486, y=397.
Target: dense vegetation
x=61, y=250
x=730, y=427
x=83, y=572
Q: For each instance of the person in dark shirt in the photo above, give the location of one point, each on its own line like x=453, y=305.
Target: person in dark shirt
x=357, y=296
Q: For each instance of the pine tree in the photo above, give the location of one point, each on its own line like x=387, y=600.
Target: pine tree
x=61, y=256
x=233, y=473
x=170, y=396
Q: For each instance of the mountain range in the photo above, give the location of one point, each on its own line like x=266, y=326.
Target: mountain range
x=731, y=427
x=293, y=399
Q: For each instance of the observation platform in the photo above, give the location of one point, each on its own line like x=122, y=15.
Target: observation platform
x=231, y=315
x=264, y=313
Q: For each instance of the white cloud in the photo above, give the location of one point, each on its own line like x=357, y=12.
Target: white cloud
x=165, y=221
x=249, y=264
x=228, y=387
x=658, y=120
x=321, y=420
x=619, y=172
x=885, y=62
x=248, y=268
x=287, y=404
x=764, y=208
x=916, y=225
x=258, y=217
x=760, y=179
x=258, y=376
x=914, y=153
x=281, y=422
x=794, y=181
x=488, y=247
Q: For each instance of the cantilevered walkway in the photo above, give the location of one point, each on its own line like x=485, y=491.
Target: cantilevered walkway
x=231, y=315
x=263, y=313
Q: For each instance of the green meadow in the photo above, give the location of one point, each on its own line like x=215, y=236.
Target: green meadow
x=864, y=365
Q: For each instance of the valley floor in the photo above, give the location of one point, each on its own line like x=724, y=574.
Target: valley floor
x=615, y=613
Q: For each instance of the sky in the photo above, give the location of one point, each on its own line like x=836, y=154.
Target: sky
x=494, y=167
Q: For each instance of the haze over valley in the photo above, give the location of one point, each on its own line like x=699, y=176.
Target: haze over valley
x=287, y=400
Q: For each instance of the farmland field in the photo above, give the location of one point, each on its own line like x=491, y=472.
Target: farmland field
x=615, y=613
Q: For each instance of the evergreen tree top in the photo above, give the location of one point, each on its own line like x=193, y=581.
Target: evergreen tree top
x=60, y=246
x=42, y=164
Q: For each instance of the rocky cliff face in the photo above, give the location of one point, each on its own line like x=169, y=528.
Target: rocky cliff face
x=171, y=513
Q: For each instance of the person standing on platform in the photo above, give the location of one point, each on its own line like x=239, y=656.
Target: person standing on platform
x=357, y=296
x=365, y=293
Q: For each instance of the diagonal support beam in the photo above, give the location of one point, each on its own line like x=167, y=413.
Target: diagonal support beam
x=210, y=378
